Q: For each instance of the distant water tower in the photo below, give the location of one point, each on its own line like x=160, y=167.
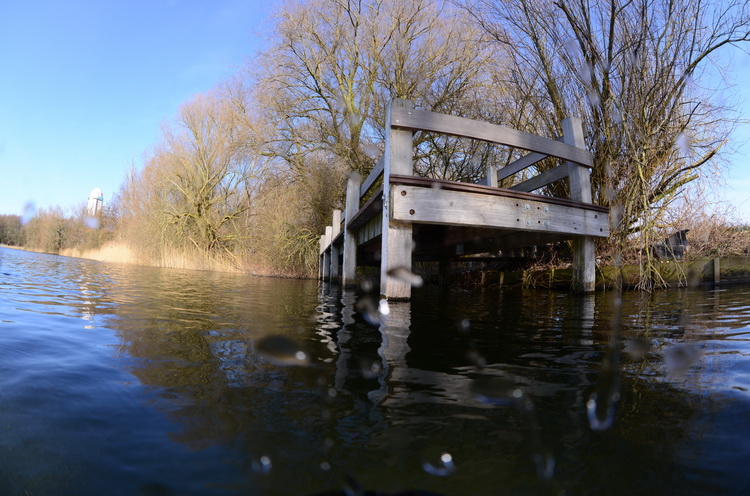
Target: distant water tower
x=96, y=201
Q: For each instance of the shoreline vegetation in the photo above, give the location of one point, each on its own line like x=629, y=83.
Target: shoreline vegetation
x=245, y=176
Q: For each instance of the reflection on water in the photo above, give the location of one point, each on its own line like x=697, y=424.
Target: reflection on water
x=132, y=380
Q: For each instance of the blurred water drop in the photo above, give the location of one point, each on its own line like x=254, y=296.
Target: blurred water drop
x=406, y=276
x=370, y=368
x=29, y=211
x=476, y=359
x=383, y=307
x=680, y=358
x=545, y=465
x=571, y=46
x=372, y=151
x=584, y=72
x=593, y=98
x=325, y=466
x=465, y=325
x=366, y=285
x=282, y=350
x=367, y=307
x=442, y=467
x=91, y=222
x=601, y=412
x=683, y=144
x=637, y=348
x=262, y=465
x=494, y=391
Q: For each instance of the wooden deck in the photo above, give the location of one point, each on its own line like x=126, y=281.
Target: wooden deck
x=405, y=216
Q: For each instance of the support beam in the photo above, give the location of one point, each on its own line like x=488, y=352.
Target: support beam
x=584, y=255
x=396, y=239
x=349, y=272
x=335, y=248
x=424, y=205
x=327, y=254
x=321, y=259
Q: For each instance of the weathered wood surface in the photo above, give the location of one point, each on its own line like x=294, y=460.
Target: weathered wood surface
x=522, y=163
x=441, y=206
x=423, y=120
x=545, y=178
x=349, y=269
x=442, y=184
x=396, y=237
x=374, y=175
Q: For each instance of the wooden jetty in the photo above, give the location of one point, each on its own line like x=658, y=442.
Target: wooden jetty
x=393, y=216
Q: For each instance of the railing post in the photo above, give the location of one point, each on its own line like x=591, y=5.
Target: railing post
x=396, y=248
x=491, y=178
x=335, y=250
x=584, y=256
x=349, y=272
x=322, y=257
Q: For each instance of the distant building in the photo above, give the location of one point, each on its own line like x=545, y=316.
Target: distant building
x=96, y=202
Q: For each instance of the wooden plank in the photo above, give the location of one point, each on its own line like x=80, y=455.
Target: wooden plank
x=375, y=173
x=373, y=207
x=545, y=178
x=422, y=120
x=430, y=206
x=522, y=163
x=441, y=184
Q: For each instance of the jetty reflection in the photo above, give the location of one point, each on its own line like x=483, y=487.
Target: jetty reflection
x=450, y=391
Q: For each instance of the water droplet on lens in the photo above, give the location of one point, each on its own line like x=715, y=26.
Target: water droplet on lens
x=495, y=391
x=465, y=325
x=383, y=307
x=477, y=359
x=29, y=211
x=282, y=350
x=325, y=466
x=406, y=276
x=545, y=465
x=370, y=368
x=637, y=348
x=601, y=414
x=442, y=467
x=368, y=308
x=91, y=222
x=262, y=465
x=680, y=358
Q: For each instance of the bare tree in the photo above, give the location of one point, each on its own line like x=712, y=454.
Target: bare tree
x=334, y=65
x=631, y=69
x=199, y=184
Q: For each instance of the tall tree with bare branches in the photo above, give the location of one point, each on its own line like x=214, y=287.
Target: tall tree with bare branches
x=631, y=69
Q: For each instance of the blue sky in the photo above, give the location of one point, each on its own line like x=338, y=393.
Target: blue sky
x=86, y=84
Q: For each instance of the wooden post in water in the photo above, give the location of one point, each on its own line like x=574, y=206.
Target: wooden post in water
x=335, y=250
x=396, y=248
x=584, y=256
x=321, y=257
x=349, y=272
x=327, y=254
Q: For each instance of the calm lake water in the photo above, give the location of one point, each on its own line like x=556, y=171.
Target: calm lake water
x=139, y=381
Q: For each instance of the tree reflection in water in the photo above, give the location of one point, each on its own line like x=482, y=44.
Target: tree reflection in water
x=456, y=392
